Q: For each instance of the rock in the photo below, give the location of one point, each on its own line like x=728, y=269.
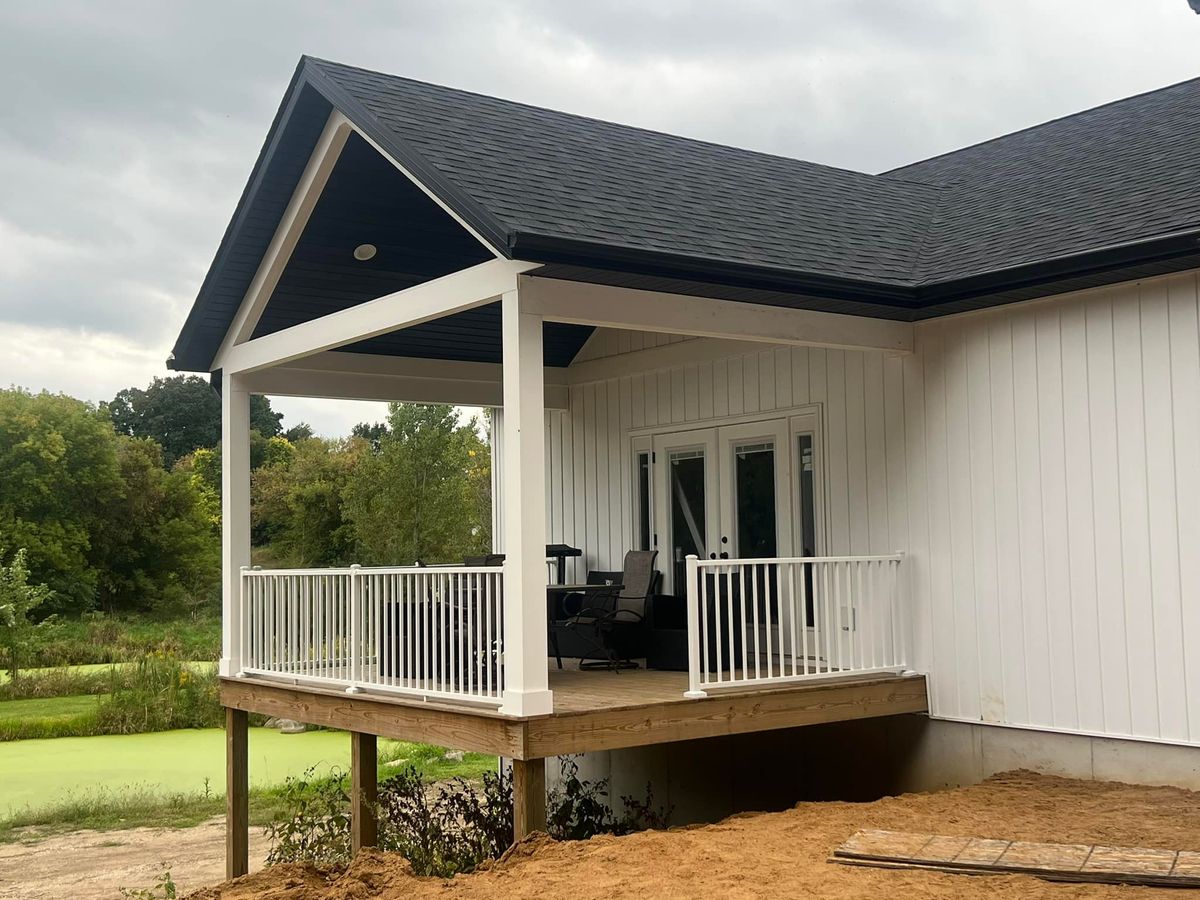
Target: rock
x=453, y=755
x=397, y=763
x=291, y=726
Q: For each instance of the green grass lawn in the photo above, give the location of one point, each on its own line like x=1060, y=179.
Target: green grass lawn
x=49, y=707
x=174, y=777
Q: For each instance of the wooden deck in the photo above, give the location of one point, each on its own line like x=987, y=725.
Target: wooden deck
x=592, y=711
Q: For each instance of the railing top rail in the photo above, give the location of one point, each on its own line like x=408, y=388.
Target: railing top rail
x=775, y=560
x=441, y=570
x=262, y=573
x=376, y=570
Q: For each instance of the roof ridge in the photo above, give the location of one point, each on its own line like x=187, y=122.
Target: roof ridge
x=888, y=173
x=639, y=128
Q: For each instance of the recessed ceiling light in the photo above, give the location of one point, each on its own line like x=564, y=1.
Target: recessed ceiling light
x=363, y=252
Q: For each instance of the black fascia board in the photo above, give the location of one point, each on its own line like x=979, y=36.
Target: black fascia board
x=242, y=212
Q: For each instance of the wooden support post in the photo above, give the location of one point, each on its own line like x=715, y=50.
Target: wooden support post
x=529, y=796
x=237, y=794
x=364, y=762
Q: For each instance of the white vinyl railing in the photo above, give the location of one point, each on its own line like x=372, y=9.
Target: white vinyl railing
x=765, y=621
x=431, y=632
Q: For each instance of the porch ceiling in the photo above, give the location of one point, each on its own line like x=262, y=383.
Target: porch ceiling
x=368, y=201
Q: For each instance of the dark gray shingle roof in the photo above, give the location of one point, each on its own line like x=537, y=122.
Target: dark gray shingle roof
x=543, y=172
x=1117, y=174
x=1104, y=195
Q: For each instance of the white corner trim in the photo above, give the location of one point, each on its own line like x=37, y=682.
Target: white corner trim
x=458, y=291
x=602, y=305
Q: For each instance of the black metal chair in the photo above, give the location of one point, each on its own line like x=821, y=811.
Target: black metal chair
x=613, y=623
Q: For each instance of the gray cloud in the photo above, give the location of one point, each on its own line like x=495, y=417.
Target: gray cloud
x=127, y=129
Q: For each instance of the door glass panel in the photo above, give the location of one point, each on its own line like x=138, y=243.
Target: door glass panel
x=643, y=476
x=754, y=487
x=808, y=514
x=686, y=474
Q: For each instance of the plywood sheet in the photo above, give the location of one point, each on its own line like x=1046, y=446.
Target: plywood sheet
x=1059, y=862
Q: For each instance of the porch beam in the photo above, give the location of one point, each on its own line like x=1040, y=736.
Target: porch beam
x=606, y=306
x=466, y=289
x=364, y=376
x=526, y=683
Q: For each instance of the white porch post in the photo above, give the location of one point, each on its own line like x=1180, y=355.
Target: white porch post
x=526, y=686
x=235, y=515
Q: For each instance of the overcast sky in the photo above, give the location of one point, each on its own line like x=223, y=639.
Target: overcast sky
x=127, y=129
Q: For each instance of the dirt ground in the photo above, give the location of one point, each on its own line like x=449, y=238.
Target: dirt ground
x=95, y=865
x=784, y=854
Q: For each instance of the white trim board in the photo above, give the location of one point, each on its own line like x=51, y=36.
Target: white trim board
x=637, y=362
x=363, y=376
x=602, y=305
x=291, y=225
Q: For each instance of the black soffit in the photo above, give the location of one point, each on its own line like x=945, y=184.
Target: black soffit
x=368, y=201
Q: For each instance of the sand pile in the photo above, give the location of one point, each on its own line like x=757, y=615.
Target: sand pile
x=784, y=854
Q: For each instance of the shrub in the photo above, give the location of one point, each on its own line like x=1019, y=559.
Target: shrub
x=577, y=809
x=57, y=683
x=97, y=638
x=317, y=827
x=158, y=693
x=447, y=833
x=164, y=889
x=445, y=830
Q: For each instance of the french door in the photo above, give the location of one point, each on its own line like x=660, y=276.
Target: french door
x=745, y=491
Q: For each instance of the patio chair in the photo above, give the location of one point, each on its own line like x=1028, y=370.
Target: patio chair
x=613, y=623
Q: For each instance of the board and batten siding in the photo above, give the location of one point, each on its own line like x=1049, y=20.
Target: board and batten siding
x=589, y=461
x=1053, y=462
x=1039, y=465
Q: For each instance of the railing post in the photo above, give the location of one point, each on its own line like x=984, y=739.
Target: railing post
x=355, y=631
x=244, y=619
x=693, y=627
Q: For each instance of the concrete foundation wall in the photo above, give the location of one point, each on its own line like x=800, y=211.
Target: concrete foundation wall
x=706, y=780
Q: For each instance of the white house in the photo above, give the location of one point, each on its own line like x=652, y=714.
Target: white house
x=931, y=438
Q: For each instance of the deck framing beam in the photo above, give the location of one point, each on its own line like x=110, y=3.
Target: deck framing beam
x=558, y=734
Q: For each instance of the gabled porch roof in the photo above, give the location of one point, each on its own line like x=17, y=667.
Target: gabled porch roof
x=604, y=203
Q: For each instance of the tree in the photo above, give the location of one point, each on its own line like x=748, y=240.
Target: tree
x=418, y=497
x=371, y=432
x=18, y=598
x=159, y=548
x=60, y=476
x=299, y=502
x=300, y=432
x=182, y=413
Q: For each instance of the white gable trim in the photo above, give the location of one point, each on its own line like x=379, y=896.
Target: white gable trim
x=466, y=289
